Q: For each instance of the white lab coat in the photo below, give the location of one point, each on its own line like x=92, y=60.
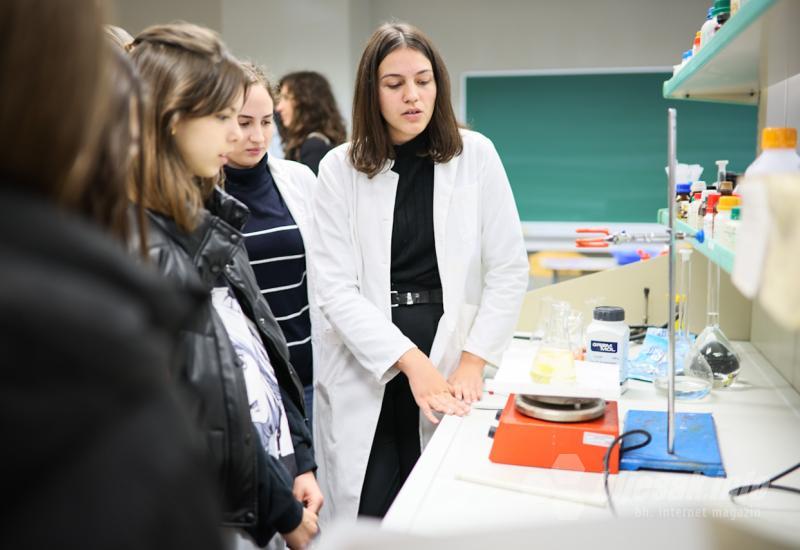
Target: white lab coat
x=484, y=271
x=296, y=183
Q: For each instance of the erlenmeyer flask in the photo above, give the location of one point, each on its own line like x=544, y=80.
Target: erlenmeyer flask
x=554, y=362
x=712, y=344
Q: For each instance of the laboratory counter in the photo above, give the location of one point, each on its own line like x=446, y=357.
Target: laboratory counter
x=455, y=488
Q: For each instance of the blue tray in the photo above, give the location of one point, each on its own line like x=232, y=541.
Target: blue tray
x=696, y=446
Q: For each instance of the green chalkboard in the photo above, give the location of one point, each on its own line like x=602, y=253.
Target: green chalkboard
x=592, y=147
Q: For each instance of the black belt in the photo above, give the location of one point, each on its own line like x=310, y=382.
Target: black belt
x=399, y=298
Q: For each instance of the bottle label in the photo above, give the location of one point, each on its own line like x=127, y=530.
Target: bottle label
x=603, y=347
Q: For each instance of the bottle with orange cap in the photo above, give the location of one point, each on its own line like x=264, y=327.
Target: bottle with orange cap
x=778, y=156
x=727, y=237
x=778, y=153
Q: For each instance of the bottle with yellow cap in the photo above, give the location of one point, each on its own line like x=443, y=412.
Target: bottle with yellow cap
x=724, y=207
x=778, y=153
x=727, y=237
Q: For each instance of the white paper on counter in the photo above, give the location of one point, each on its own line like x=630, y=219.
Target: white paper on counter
x=593, y=380
x=567, y=485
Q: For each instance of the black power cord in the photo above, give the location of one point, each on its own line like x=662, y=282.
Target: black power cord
x=747, y=489
x=607, y=457
x=733, y=493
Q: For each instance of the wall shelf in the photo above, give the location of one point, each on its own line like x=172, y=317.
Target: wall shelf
x=728, y=69
x=712, y=250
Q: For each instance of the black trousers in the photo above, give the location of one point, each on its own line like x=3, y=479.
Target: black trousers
x=395, y=446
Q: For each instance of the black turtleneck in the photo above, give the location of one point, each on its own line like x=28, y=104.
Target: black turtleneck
x=277, y=256
x=414, y=265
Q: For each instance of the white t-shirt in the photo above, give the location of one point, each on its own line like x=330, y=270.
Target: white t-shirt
x=263, y=393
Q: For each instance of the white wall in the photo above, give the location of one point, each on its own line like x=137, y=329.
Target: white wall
x=545, y=34
x=135, y=15
x=290, y=35
x=328, y=35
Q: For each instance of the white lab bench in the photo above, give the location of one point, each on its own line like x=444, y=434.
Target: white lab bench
x=758, y=427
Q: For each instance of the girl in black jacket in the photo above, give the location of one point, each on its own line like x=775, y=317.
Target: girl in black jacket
x=236, y=366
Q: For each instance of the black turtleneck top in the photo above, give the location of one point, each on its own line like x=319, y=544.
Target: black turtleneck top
x=277, y=256
x=414, y=265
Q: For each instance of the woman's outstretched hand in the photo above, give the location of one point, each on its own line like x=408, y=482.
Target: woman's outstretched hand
x=467, y=379
x=431, y=391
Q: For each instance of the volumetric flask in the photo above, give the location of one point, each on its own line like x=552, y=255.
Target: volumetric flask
x=712, y=344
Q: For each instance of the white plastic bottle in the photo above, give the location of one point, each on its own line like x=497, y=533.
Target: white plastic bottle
x=723, y=218
x=707, y=30
x=694, y=206
x=727, y=237
x=607, y=339
x=778, y=156
x=778, y=153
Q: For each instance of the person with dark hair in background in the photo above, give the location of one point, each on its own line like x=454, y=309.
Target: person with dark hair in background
x=98, y=451
x=310, y=122
x=421, y=272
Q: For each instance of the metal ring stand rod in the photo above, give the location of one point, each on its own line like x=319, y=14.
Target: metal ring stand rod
x=672, y=140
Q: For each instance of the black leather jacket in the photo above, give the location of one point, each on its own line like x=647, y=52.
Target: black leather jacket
x=211, y=371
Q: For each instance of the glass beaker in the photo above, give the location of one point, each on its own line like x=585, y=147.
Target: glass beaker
x=712, y=345
x=694, y=382
x=554, y=362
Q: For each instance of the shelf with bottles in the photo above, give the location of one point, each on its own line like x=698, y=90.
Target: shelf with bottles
x=729, y=68
x=715, y=252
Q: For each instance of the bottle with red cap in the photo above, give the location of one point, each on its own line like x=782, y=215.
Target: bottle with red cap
x=710, y=213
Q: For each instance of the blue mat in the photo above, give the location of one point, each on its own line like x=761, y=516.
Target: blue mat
x=696, y=446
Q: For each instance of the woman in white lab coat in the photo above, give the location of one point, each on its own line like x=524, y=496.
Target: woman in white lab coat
x=421, y=272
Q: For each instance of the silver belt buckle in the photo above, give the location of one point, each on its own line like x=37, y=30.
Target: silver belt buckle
x=390, y=293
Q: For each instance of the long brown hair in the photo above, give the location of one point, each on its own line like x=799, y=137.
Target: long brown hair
x=112, y=172
x=52, y=100
x=189, y=73
x=315, y=110
x=371, y=147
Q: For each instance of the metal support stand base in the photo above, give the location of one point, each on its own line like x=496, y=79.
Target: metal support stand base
x=696, y=446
